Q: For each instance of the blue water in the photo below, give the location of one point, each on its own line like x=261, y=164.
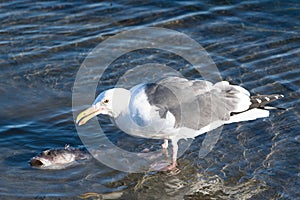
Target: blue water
x=253, y=43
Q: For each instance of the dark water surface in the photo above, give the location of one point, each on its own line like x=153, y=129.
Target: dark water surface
x=253, y=43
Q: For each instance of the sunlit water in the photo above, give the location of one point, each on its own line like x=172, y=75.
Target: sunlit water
x=255, y=44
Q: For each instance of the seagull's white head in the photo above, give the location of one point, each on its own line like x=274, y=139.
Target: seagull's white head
x=111, y=102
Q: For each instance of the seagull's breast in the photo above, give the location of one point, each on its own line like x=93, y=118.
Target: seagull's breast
x=141, y=111
x=144, y=114
x=143, y=119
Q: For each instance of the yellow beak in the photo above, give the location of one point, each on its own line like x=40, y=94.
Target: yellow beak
x=86, y=115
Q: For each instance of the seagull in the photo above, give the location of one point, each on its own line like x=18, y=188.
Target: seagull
x=175, y=108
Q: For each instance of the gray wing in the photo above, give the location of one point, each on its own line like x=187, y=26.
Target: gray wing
x=196, y=103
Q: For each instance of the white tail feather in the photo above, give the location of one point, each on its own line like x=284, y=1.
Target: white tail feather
x=248, y=115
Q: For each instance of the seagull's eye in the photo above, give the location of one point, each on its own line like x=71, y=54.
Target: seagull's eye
x=106, y=101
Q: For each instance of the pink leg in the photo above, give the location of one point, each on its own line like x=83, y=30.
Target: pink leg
x=174, y=156
x=172, y=167
x=165, y=144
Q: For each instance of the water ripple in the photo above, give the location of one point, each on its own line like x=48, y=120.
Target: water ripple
x=253, y=43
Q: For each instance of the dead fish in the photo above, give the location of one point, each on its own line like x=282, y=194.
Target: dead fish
x=59, y=158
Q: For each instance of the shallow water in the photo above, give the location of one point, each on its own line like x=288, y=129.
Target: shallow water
x=255, y=44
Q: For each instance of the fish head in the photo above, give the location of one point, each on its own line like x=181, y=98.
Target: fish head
x=40, y=162
x=53, y=159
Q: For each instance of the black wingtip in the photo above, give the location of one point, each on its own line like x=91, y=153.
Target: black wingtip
x=260, y=101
